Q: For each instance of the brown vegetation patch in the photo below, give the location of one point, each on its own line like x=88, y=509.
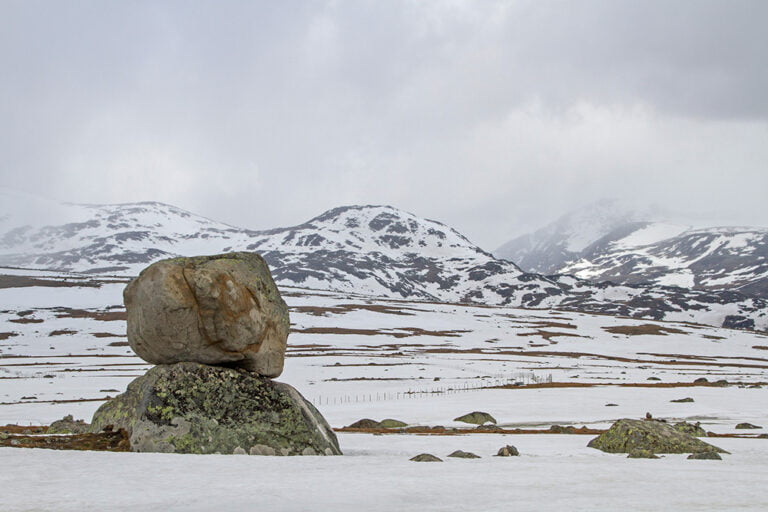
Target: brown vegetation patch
x=548, y=335
x=649, y=329
x=712, y=337
x=118, y=344
x=107, y=335
x=108, y=440
x=26, y=282
x=760, y=347
x=549, y=325
x=347, y=365
x=26, y=320
x=346, y=308
x=102, y=316
x=62, y=332
x=398, y=333
x=5, y=335
x=24, y=429
x=443, y=431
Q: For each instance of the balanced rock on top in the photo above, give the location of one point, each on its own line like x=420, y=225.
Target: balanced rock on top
x=219, y=310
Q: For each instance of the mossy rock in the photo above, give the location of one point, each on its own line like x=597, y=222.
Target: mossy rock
x=476, y=418
x=693, y=429
x=508, y=451
x=196, y=408
x=392, y=423
x=628, y=435
x=426, y=457
x=365, y=423
x=642, y=454
x=741, y=426
x=460, y=454
x=705, y=456
x=68, y=425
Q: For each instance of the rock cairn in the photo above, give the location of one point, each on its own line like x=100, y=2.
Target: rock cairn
x=216, y=327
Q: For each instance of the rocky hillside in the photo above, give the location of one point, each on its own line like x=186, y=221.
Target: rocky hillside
x=376, y=250
x=605, y=243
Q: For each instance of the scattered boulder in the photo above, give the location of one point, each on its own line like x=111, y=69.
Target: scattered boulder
x=476, y=418
x=722, y=383
x=507, y=451
x=426, y=457
x=692, y=429
x=464, y=455
x=627, y=435
x=489, y=428
x=68, y=425
x=392, y=423
x=195, y=408
x=705, y=456
x=222, y=309
x=701, y=380
x=747, y=426
x=365, y=423
x=559, y=429
x=653, y=378
x=642, y=454
x=685, y=400
x=611, y=405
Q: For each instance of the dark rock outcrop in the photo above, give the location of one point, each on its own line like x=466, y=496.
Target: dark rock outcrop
x=627, y=435
x=196, y=408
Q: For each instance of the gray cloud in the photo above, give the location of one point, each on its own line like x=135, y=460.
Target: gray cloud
x=493, y=117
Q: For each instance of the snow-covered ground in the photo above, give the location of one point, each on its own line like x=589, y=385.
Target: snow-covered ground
x=63, y=351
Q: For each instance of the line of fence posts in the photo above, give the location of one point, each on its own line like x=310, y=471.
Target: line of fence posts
x=517, y=380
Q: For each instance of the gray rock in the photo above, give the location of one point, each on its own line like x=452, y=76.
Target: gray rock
x=507, y=451
x=222, y=309
x=705, y=456
x=365, y=423
x=426, y=457
x=68, y=425
x=626, y=436
x=747, y=426
x=196, y=408
x=685, y=400
x=464, y=455
x=693, y=429
x=642, y=454
x=476, y=418
x=392, y=423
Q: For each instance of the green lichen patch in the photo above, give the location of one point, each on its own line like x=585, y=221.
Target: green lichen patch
x=196, y=408
x=626, y=436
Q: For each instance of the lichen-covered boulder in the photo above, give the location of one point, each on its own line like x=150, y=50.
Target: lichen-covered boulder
x=196, y=408
x=68, y=425
x=693, y=429
x=222, y=309
x=508, y=451
x=426, y=457
x=392, y=423
x=626, y=436
x=476, y=418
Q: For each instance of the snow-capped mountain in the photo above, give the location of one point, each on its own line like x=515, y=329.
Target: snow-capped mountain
x=610, y=242
x=550, y=248
x=726, y=258
x=377, y=250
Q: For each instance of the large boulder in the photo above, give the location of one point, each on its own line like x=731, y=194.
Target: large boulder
x=196, y=408
x=627, y=436
x=476, y=418
x=222, y=309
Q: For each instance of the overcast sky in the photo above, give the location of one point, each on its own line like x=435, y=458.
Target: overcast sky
x=493, y=117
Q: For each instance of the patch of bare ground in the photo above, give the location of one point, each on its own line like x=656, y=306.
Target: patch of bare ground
x=5, y=335
x=102, y=316
x=549, y=325
x=545, y=385
x=350, y=379
x=409, y=331
x=443, y=431
x=648, y=329
x=548, y=335
x=26, y=282
x=26, y=320
x=108, y=440
x=712, y=337
x=62, y=332
x=107, y=335
x=118, y=344
x=672, y=357
x=23, y=429
x=760, y=347
x=66, y=401
x=347, y=365
x=347, y=308
x=550, y=353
